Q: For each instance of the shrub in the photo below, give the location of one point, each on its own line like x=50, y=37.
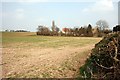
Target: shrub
x=104, y=61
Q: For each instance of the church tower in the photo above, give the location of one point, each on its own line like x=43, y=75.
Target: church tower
x=53, y=26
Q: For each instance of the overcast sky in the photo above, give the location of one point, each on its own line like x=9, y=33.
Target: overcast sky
x=28, y=14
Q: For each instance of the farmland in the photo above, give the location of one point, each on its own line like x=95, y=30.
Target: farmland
x=24, y=54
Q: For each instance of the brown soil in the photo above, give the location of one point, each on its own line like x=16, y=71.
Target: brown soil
x=44, y=62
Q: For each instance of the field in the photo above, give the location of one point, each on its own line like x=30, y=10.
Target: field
x=31, y=56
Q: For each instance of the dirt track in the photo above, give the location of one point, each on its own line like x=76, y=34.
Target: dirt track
x=44, y=62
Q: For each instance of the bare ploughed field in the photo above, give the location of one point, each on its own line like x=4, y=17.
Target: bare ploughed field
x=25, y=55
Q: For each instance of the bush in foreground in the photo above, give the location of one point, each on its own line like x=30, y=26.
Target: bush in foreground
x=104, y=61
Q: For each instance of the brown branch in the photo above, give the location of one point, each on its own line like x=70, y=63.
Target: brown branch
x=90, y=71
x=116, y=49
x=107, y=74
x=85, y=75
x=111, y=55
x=104, y=66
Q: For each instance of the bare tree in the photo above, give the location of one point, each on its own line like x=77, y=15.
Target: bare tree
x=102, y=24
x=42, y=30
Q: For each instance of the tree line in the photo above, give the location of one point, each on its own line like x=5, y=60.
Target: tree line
x=86, y=31
x=16, y=31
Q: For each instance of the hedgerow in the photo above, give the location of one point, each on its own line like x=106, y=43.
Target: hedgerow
x=104, y=61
